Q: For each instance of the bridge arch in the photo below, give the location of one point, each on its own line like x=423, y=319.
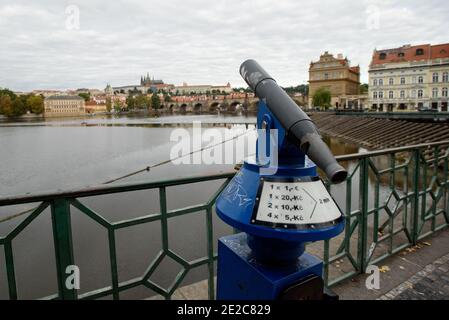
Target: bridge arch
x=198, y=107
x=183, y=108
x=234, y=106
x=214, y=107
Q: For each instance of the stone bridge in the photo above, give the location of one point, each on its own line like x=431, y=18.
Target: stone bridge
x=212, y=106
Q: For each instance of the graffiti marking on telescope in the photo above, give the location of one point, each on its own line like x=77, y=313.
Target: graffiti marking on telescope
x=235, y=191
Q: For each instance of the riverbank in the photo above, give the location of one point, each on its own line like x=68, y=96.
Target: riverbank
x=380, y=133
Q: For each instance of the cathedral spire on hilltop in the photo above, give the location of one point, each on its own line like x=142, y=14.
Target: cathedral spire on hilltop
x=147, y=80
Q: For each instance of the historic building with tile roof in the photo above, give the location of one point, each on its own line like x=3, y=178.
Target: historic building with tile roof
x=410, y=78
x=336, y=75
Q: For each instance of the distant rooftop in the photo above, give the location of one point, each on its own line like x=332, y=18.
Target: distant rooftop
x=64, y=97
x=409, y=53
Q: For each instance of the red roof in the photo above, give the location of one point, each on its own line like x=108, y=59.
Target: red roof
x=410, y=53
x=440, y=51
x=355, y=69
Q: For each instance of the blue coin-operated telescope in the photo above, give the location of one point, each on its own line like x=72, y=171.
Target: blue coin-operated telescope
x=278, y=202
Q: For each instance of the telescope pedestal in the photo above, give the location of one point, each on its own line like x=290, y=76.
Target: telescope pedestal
x=241, y=277
x=279, y=203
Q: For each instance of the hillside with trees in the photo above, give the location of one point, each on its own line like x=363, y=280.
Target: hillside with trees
x=12, y=105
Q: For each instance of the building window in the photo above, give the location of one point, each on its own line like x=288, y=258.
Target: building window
x=400, y=54
x=391, y=81
x=375, y=82
x=444, y=92
x=413, y=93
x=435, y=92
x=419, y=52
x=375, y=95
x=435, y=77
x=381, y=82
x=402, y=94
x=420, y=79
x=445, y=77
x=391, y=95
x=420, y=93
x=402, y=80
x=382, y=56
x=381, y=94
x=326, y=76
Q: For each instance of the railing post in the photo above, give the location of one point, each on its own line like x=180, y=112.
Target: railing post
x=363, y=226
x=10, y=273
x=62, y=236
x=415, y=203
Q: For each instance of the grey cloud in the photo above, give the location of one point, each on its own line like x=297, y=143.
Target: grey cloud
x=198, y=41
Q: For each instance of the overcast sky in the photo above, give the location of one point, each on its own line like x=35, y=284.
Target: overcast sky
x=43, y=46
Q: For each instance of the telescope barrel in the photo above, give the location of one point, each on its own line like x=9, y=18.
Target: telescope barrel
x=295, y=121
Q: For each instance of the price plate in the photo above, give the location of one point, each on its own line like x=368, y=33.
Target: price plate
x=294, y=204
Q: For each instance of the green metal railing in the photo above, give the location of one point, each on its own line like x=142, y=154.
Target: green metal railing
x=393, y=199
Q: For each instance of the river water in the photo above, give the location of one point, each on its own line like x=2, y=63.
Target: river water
x=71, y=153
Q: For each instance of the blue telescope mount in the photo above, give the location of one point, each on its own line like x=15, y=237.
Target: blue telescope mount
x=279, y=204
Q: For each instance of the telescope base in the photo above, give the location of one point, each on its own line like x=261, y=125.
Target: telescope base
x=241, y=277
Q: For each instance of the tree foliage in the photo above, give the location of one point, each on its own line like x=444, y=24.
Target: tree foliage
x=363, y=89
x=118, y=105
x=35, y=104
x=85, y=96
x=6, y=105
x=322, y=98
x=108, y=104
x=12, y=105
x=155, y=101
x=131, y=102
x=302, y=88
x=18, y=108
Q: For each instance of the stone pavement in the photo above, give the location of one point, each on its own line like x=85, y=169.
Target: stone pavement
x=416, y=272
x=431, y=283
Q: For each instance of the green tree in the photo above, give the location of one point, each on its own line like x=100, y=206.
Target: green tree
x=9, y=93
x=322, y=98
x=6, y=105
x=108, y=104
x=85, y=96
x=302, y=88
x=35, y=104
x=18, y=108
x=130, y=102
x=147, y=102
x=363, y=89
x=140, y=102
x=167, y=98
x=155, y=101
x=118, y=105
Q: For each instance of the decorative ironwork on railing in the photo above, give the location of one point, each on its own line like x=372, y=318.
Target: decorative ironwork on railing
x=391, y=199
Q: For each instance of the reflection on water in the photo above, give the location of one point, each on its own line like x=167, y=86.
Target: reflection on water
x=71, y=153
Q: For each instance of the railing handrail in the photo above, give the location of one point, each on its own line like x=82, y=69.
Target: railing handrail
x=135, y=186
x=375, y=153
x=108, y=189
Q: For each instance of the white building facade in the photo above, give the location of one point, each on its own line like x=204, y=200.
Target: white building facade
x=410, y=78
